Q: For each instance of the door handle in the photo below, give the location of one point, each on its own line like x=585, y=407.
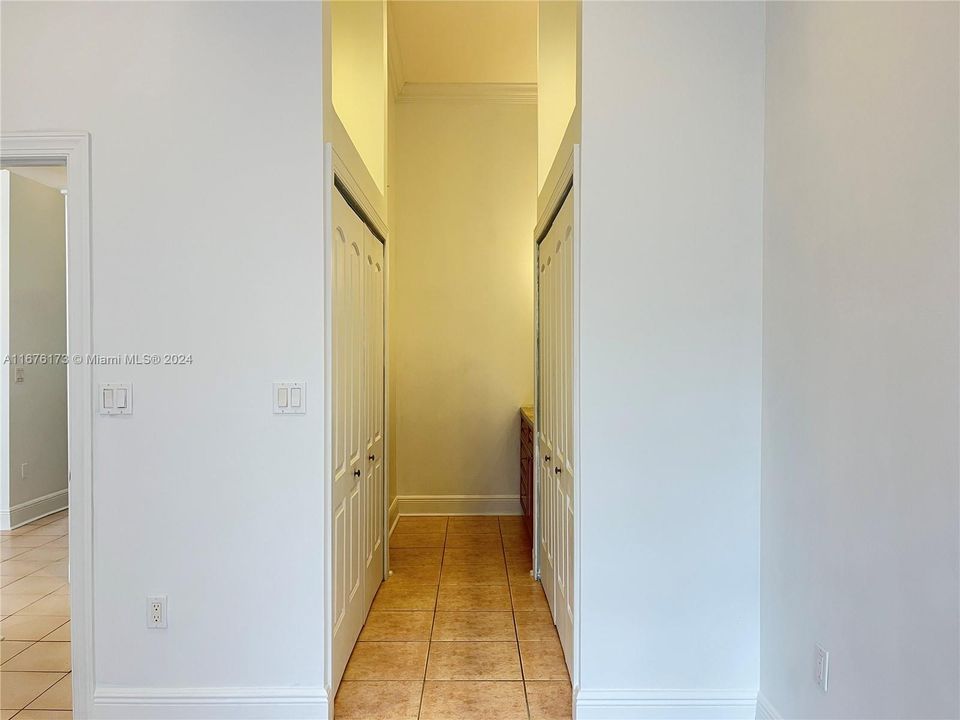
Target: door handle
x=546, y=459
x=356, y=473
x=371, y=458
x=557, y=470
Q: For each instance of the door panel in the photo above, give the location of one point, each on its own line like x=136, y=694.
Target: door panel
x=373, y=420
x=348, y=359
x=556, y=422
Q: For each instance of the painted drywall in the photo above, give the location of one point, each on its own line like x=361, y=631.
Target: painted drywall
x=860, y=530
x=38, y=327
x=359, y=72
x=461, y=327
x=670, y=349
x=207, y=227
x=557, y=76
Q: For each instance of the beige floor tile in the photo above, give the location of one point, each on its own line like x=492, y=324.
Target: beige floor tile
x=60, y=542
x=421, y=524
x=48, y=530
x=518, y=555
x=520, y=573
x=406, y=557
x=383, y=700
x=472, y=556
x=30, y=627
x=549, y=700
x=45, y=715
x=59, y=697
x=65, y=590
x=41, y=657
x=474, y=661
x=521, y=579
x=535, y=625
x=419, y=574
x=511, y=522
x=11, y=603
x=44, y=554
x=19, y=568
x=529, y=597
x=474, y=524
x=19, y=689
x=9, y=553
x=9, y=648
x=517, y=540
x=474, y=575
x=387, y=661
x=543, y=660
x=59, y=569
x=416, y=540
x=490, y=543
x=396, y=595
x=7, y=714
x=33, y=584
x=7, y=580
x=473, y=597
x=476, y=626
x=24, y=541
x=473, y=701
x=61, y=634
x=388, y=625
x=50, y=605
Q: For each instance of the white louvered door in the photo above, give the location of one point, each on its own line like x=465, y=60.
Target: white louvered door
x=357, y=400
x=556, y=421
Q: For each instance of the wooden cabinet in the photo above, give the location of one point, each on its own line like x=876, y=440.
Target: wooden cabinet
x=526, y=467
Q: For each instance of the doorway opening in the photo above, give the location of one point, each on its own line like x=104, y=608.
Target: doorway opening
x=452, y=339
x=45, y=402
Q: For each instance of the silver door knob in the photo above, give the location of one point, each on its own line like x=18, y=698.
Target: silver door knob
x=546, y=459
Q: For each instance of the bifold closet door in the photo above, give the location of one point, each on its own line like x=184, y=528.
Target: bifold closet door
x=349, y=252
x=556, y=422
x=373, y=418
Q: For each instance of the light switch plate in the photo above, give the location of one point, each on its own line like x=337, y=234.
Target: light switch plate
x=290, y=398
x=116, y=398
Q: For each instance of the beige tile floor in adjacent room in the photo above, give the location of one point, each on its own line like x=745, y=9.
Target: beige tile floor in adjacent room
x=35, y=621
x=460, y=632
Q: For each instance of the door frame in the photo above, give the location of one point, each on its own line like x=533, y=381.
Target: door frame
x=568, y=181
x=72, y=149
x=336, y=172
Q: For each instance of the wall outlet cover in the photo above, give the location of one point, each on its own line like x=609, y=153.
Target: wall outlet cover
x=823, y=667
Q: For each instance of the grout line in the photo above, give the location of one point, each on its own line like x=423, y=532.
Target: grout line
x=433, y=619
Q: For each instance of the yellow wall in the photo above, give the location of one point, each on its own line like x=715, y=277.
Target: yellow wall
x=462, y=211
x=557, y=58
x=359, y=59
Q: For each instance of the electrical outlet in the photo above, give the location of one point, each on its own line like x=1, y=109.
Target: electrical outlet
x=157, y=611
x=823, y=667
x=25, y=471
x=18, y=375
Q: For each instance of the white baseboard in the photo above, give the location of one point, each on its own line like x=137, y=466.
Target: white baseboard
x=25, y=512
x=665, y=705
x=765, y=710
x=394, y=514
x=230, y=703
x=459, y=504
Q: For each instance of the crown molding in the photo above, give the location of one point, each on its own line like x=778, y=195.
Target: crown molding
x=508, y=93
x=394, y=58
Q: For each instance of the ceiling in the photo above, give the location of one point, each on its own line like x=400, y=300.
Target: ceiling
x=465, y=41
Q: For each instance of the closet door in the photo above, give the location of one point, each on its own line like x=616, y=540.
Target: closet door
x=348, y=447
x=373, y=418
x=556, y=423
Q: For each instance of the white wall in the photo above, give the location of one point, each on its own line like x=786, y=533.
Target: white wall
x=206, y=239
x=37, y=325
x=860, y=529
x=461, y=326
x=670, y=349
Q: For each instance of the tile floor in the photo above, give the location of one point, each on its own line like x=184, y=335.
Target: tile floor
x=460, y=632
x=35, y=621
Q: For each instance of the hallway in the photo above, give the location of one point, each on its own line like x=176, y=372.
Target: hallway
x=460, y=631
x=35, y=679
